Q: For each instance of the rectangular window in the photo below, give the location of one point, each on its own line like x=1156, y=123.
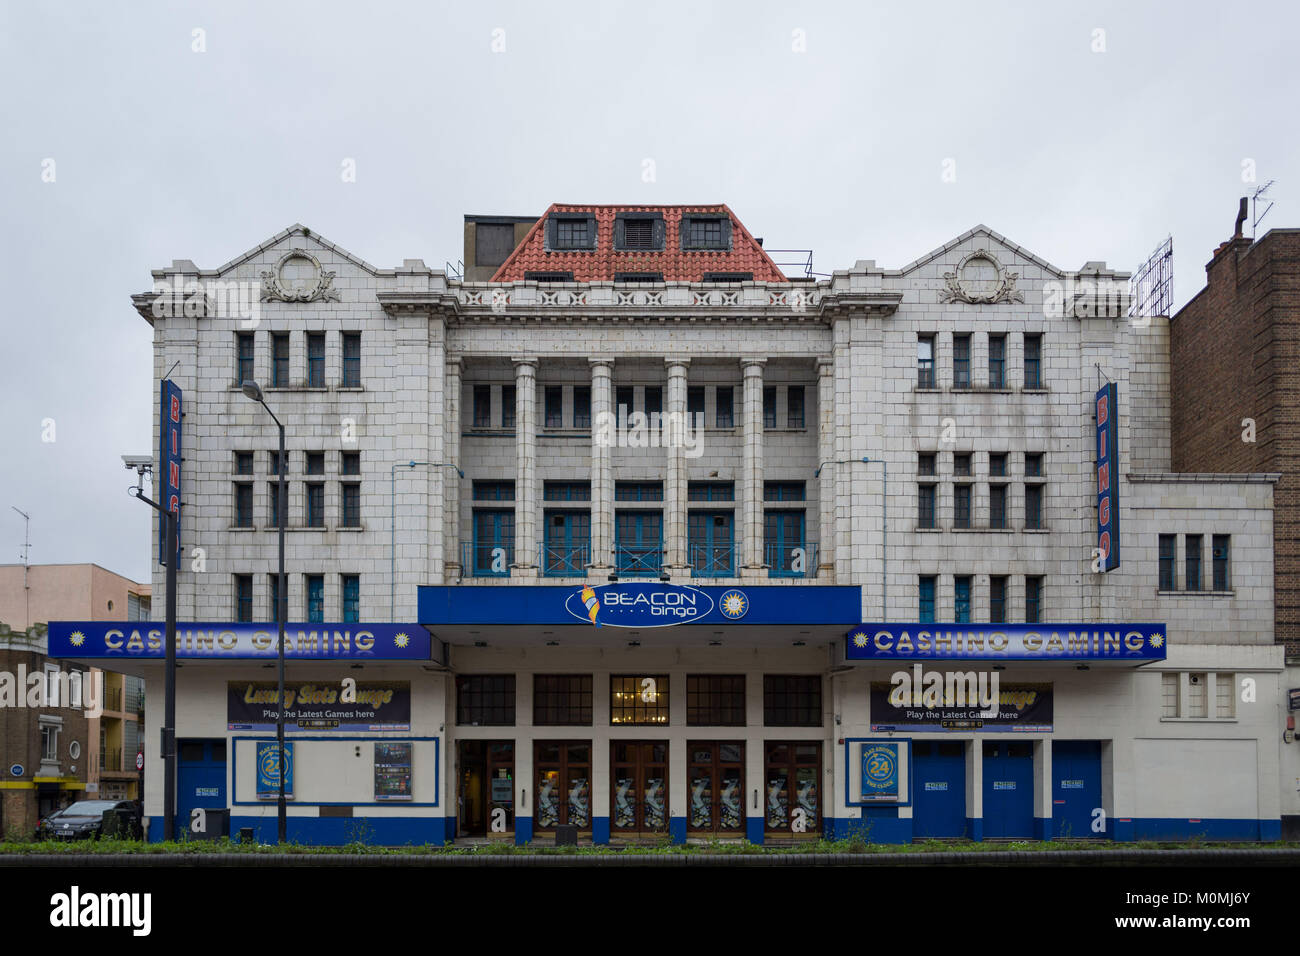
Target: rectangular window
x=566, y=548
x=1193, y=562
x=997, y=361
x=997, y=506
x=769, y=406
x=566, y=491
x=482, y=406
x=1220, y=544
x=654, y=400
x=316, y=598
x=1034, y=506
x=784, y=491
x=243, y=598
x=554, y=403
x=961, y=506
x=925, y=362
x=350, y=463
x=315, y=506
x=792, y=701
x=794, y=406
x=315, y=463
x=704, y=233
x=280, y=360
x=695, y=404
x=638, y=233
x=1225, y=695
x=562, y=700
x=244, y=357
x=1033, y=599
x=623, y=403
x=573, y=233
x=50, y=743
x=350, y=505
x=315, y=359
x=725, y=404
x=351, y=359
x=925, y=610
x=273, y=589
x=784, y=550
x=710, y=544
x=243, y=504
x=961, y=465
x=925, y=517
x=350, y=585
x=1169, y=694
x=1033, y=362
x=1197, y=700
x=711, y=491
x=582, y=406
x=1168, y=548
x=715, y=700
x=243, y=462
x=485, y=700
x=961, y=361
x=997, y=599
x=638, y=699
x=273, y=495
x=638, y=491
x=493, y=491
x=998, y=465
x=1033, y=465
x=961, y=596
x=925, y=463
x=638, y=541
x=507, y=407
x=494, y=542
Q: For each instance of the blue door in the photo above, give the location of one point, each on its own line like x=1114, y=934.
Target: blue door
x=1008, y=790
x=938, y=789
x=1076, y=788
x=639, y=541
x=568, y=542
x=200, y=778
x=709, y=540
x=494, y=542
x=784, y=544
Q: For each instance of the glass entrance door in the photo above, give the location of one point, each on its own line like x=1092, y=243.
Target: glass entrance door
x=793, y=771
x=563, y=784
x=638, y=789
x=487, y=787
x=716, y=780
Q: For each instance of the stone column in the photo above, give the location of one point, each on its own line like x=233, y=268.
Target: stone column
x=525, y=467
x=826, y=453
x=451, y=397
x=675, y=562
x=602, y=471
x=751, y=483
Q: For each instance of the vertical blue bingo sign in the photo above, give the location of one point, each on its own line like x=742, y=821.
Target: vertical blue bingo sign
x=169, y=460
x=1108, y=476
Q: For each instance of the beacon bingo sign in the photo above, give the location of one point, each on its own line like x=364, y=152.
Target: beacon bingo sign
x=639, y=605
x=1108, y=476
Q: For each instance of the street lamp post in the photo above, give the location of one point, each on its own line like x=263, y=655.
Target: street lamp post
x=254, y=391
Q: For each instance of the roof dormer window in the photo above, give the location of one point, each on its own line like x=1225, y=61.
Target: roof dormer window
x=570, y=232
x=706, y=232
x=639, y=232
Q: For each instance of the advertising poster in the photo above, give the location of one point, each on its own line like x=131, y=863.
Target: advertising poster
x=880, y=772
x=268, y=770
x=1022, y=708
x=393, y=771
x=320, y=705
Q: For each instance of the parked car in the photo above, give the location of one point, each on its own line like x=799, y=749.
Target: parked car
x=84, y=820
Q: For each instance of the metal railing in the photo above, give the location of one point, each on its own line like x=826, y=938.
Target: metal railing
x=637, y=561
x=712, y=561
x=482, y=561
x=558, y=561
x=798, y=560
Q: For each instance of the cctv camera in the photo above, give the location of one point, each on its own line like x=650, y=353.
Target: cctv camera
x=137, y=462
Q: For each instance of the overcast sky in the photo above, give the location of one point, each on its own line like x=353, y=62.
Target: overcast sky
x=1079, y=130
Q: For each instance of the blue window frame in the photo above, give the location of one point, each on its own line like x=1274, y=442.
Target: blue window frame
x=482, y=406
x=711, y=491
x=769, y=406
x=784, y=491
x=782, y=538
x=351, y=598
x=507, y=407
x=245, y=371
x=315, y=359
x=316, y=598
x=724, y=414
x=494, y=491
x=351, y=359
x=243, y=597
x=553, y=400
x=961, y=589
x=567, y=549
x=566, y=491
x=582, y=407
x=638, y=491
x=280, y=360
x=1033, y=599
x=794, y=407
x=925, y=612
x=494, y=542
x=711, y=543
x=638, y=541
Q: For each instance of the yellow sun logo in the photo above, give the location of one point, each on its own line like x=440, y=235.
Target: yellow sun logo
x=76, y=638
x=859, y=639
x=1156, y=640
x=401, y=640
x=734, y=605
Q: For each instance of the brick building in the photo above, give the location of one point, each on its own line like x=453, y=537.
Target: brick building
x=1235, y=387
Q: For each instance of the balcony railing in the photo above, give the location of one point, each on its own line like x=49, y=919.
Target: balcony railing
x=797, y=560
x=712, y=561
x=559, y=561
x=480, y=561
x=636, y=561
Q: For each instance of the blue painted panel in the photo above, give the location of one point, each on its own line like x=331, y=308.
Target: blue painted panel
x=523, y=831
x=335, y=831
x=754, y=830
x=877, y=825
x=202, y=782
x=1076, y=787
x=449, y=831
x=1008, y=791
x=600, y=830
x=975, y=827
x=677, y=829
x=1206, y=829
x=938, y=792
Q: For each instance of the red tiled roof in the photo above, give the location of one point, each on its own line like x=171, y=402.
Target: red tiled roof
x=600, y=264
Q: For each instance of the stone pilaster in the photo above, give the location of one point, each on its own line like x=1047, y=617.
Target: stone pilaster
x=602, y=471
x=751, y=483
x=526, y=496
x=451, y=398
x=825, y=458
x=675, y=472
